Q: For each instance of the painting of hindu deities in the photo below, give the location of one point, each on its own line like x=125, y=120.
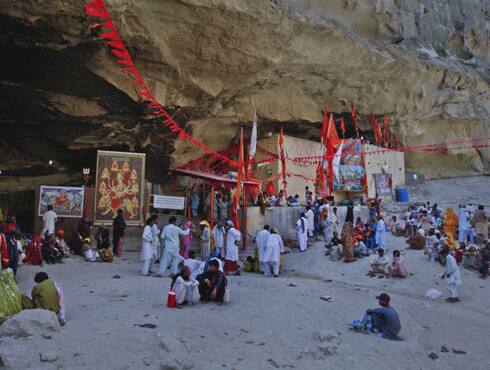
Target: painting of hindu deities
x=66, y=201
x=119, y=185
x=350, y=178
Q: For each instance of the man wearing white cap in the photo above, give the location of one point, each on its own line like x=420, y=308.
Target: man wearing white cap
x=233, y=236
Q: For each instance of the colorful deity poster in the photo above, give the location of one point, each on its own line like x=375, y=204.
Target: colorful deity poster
x=66, y=201
x=384, y=184
x=119, y=185
x=350, y=178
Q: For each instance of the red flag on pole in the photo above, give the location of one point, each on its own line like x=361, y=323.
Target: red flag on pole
x=323, y=134
x=342, y=127
x=386, y=131
x=378, y=137
x=354, y=119
x=332, y=133
x=283, y=162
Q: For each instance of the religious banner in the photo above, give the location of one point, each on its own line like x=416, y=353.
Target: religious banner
x=384, y=184
x=66, y=201
x=350, y=178
x=352, y=152
x=119, y=185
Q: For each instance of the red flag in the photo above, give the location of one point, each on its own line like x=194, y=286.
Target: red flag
x=332, y=138
x=283, y=162
x=378, y=137
x=332, y=133
x=354, y=118
x=323, y=135
x=386, y=130
x=342, y=127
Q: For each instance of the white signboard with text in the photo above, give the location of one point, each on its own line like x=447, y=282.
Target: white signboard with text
x=168, y=202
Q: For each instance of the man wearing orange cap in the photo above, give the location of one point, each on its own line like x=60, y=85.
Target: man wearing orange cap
x=60, y=240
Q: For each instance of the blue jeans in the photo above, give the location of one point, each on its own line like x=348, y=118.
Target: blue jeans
x=168, y=260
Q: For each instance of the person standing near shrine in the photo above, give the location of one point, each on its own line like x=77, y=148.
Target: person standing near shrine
x=302, y=232
x=462, y=224
x=380, y=232
x=147, y=247
x=261, y=240
x=118, y=228
x=171, y=240
x=272, y=254
x=49, y=220
x=453, y=277
x=219, y=239
x=233, y=237
x=310, y=216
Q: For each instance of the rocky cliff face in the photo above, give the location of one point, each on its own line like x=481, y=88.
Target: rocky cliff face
x=424, y=63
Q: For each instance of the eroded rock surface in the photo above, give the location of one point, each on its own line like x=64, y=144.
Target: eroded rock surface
x=424, y=63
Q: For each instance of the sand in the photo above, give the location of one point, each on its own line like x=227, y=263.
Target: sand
x=268, y=324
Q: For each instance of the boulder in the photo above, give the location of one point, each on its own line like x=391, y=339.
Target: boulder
x=29, y=323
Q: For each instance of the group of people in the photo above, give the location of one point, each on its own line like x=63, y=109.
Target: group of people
x=452, y=238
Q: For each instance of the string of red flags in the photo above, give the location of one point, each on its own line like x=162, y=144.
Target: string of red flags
x=112, y=39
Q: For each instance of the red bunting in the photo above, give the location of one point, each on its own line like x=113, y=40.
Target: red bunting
x=97, y=9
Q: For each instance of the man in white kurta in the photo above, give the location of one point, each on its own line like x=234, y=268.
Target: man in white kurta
x=453, y=277
x=272, y=255
x=171, y=240
x=49, y=220
x=156, y=240
x=232, y=237
x=219, y=239
x=334, y=222
x=310, y=216
x=380, y=233
x=261, y=240
x=462, y=224
x=147, y=248
x=302, y=232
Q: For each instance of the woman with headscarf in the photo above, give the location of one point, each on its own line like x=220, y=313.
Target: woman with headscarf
x=302, y=232
x=347, y=243
x=187, y=239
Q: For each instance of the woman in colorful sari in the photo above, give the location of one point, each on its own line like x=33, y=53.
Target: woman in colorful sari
x=186, y=239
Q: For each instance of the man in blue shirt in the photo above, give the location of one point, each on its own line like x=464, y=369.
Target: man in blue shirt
x=384, y=320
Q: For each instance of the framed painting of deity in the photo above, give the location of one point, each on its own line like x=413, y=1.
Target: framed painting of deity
x=67, y=201
x=119, y=185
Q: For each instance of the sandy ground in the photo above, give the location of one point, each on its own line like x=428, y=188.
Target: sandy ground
x=268, y=324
